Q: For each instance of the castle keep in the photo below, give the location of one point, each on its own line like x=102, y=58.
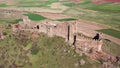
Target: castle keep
x=67, y=30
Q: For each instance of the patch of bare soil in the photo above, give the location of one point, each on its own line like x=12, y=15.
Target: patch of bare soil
x=77, y=1
x=58, y=5
x=9, y=2
x=53, y=15
x=91, y=26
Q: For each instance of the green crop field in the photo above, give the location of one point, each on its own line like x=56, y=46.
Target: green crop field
x=67, y=19
x=107, y=13
x=106, y=18
x=3, y=5
x=35, y=17
x=36, y=3
x=28, y=3
x=111, y=32
x=107, y=7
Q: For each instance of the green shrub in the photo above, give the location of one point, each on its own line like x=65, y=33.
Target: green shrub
x=67, y=19
x=34, y=49
x=4, y=33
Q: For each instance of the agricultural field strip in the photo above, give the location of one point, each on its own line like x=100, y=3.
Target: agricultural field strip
x=35, y=9
x=110, y=19
x=53, y=15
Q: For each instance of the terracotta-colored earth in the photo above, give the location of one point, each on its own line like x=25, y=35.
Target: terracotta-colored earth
x=9, y=2
x=35, y=35
x=76, y=1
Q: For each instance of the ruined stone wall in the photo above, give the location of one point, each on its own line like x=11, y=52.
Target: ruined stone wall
x=88, y=45
x=51, y=28
x=2, y=36
x=55, y=28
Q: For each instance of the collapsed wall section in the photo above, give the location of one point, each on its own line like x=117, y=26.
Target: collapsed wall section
x=87, y=45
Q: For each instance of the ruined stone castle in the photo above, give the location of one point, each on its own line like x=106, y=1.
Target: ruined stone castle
x=67, y=30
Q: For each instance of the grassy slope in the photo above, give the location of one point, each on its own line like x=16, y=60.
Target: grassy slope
x=47, y=52
x=111, y=48
x=3, y=5
x=10, y=21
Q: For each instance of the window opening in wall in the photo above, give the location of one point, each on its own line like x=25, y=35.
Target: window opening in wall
x=37, y=26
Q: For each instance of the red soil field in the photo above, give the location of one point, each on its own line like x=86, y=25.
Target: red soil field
x=76, y=1
x=105, y=1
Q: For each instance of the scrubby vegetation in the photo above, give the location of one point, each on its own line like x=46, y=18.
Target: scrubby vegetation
x=111, y=48
x=3, y=5
x=41, y=52
x=54, y=52
x=10, y=21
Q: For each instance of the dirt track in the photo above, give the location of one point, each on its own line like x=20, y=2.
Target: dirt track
x=53, y=15
x=89, y=28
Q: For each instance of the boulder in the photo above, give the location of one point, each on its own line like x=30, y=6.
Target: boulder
x=82, y=62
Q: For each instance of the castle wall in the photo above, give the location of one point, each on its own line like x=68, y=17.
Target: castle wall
x=86, y=45
x=55, y=28
x=51, y=28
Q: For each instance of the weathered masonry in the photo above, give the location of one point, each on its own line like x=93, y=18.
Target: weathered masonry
x=67, y=30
